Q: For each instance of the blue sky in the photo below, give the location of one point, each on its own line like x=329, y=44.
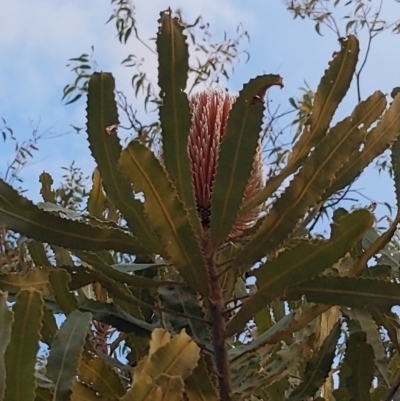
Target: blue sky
x=39, y=37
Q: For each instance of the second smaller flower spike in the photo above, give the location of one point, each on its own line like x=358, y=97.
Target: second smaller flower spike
x=210, y=111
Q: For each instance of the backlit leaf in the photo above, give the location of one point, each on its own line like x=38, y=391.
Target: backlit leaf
x=306, y=259
x=21, y=215
x=175, y=117
x=65, y=353
x=102, y=124
x=166, y=213
x=20, y=358
x=236, y=157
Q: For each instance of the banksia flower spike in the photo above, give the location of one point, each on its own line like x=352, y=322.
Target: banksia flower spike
x=210, y=110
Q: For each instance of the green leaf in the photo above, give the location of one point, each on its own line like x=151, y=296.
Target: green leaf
x=175, y=117
x=183, y=299
x=101, y=378
x=198, y=385
x=368, y=325
x=21, y=215
x=305, y=260
x=81, y=392
x=360, y=359
x=166, y=213
x=20, y=358
x=396, y=168
x=98, y=265
x=59, y=280
x=102, y=116
x=36, y=278
x=46, y=191
x=237, y=154
x=168, y=388
x=318, y=367
x=6, y=321
x=43, y=394
x=65, y=353
x=331, y=91
x=173, y=357
x=377, y=141
x=352, y=292
x=97, y=198
x=62, y=256
x=49, y=327
x=279, y=365
x=310, y=183
x=115, y=316
x=38, y=253
x=267, y=337
x=118, y=290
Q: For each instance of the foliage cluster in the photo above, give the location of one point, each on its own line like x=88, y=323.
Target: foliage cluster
x=136, y=270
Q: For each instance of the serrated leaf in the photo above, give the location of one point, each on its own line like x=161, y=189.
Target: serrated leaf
x=116, y=289
x=377, y=141
x=166, y=213
x=99, y=265
x=97, y=198
x=82, y=393
x=38, y=253
x=6, y=321
x=115, y=316
x=352, y=292
x=278, y=366
x=267, y=337
x=62, y=256
x=46, y=191
x=49, y=327
x=306, y=259
x=168, y=388
x=20, y=357
x=396, y=168
x=104, y=144
x=183, y=299
x=389, y=255
x=175, y=357
x=331, y=91
x=360, y=359
x=308, y=186
x=318, y=367
x=37, y=278
x=65, y=353
x=371, y=330
x=59, y=280
x=236, y=156
x=21, y=215
x=101, y=378
x=198, y=385
x=175, y=117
